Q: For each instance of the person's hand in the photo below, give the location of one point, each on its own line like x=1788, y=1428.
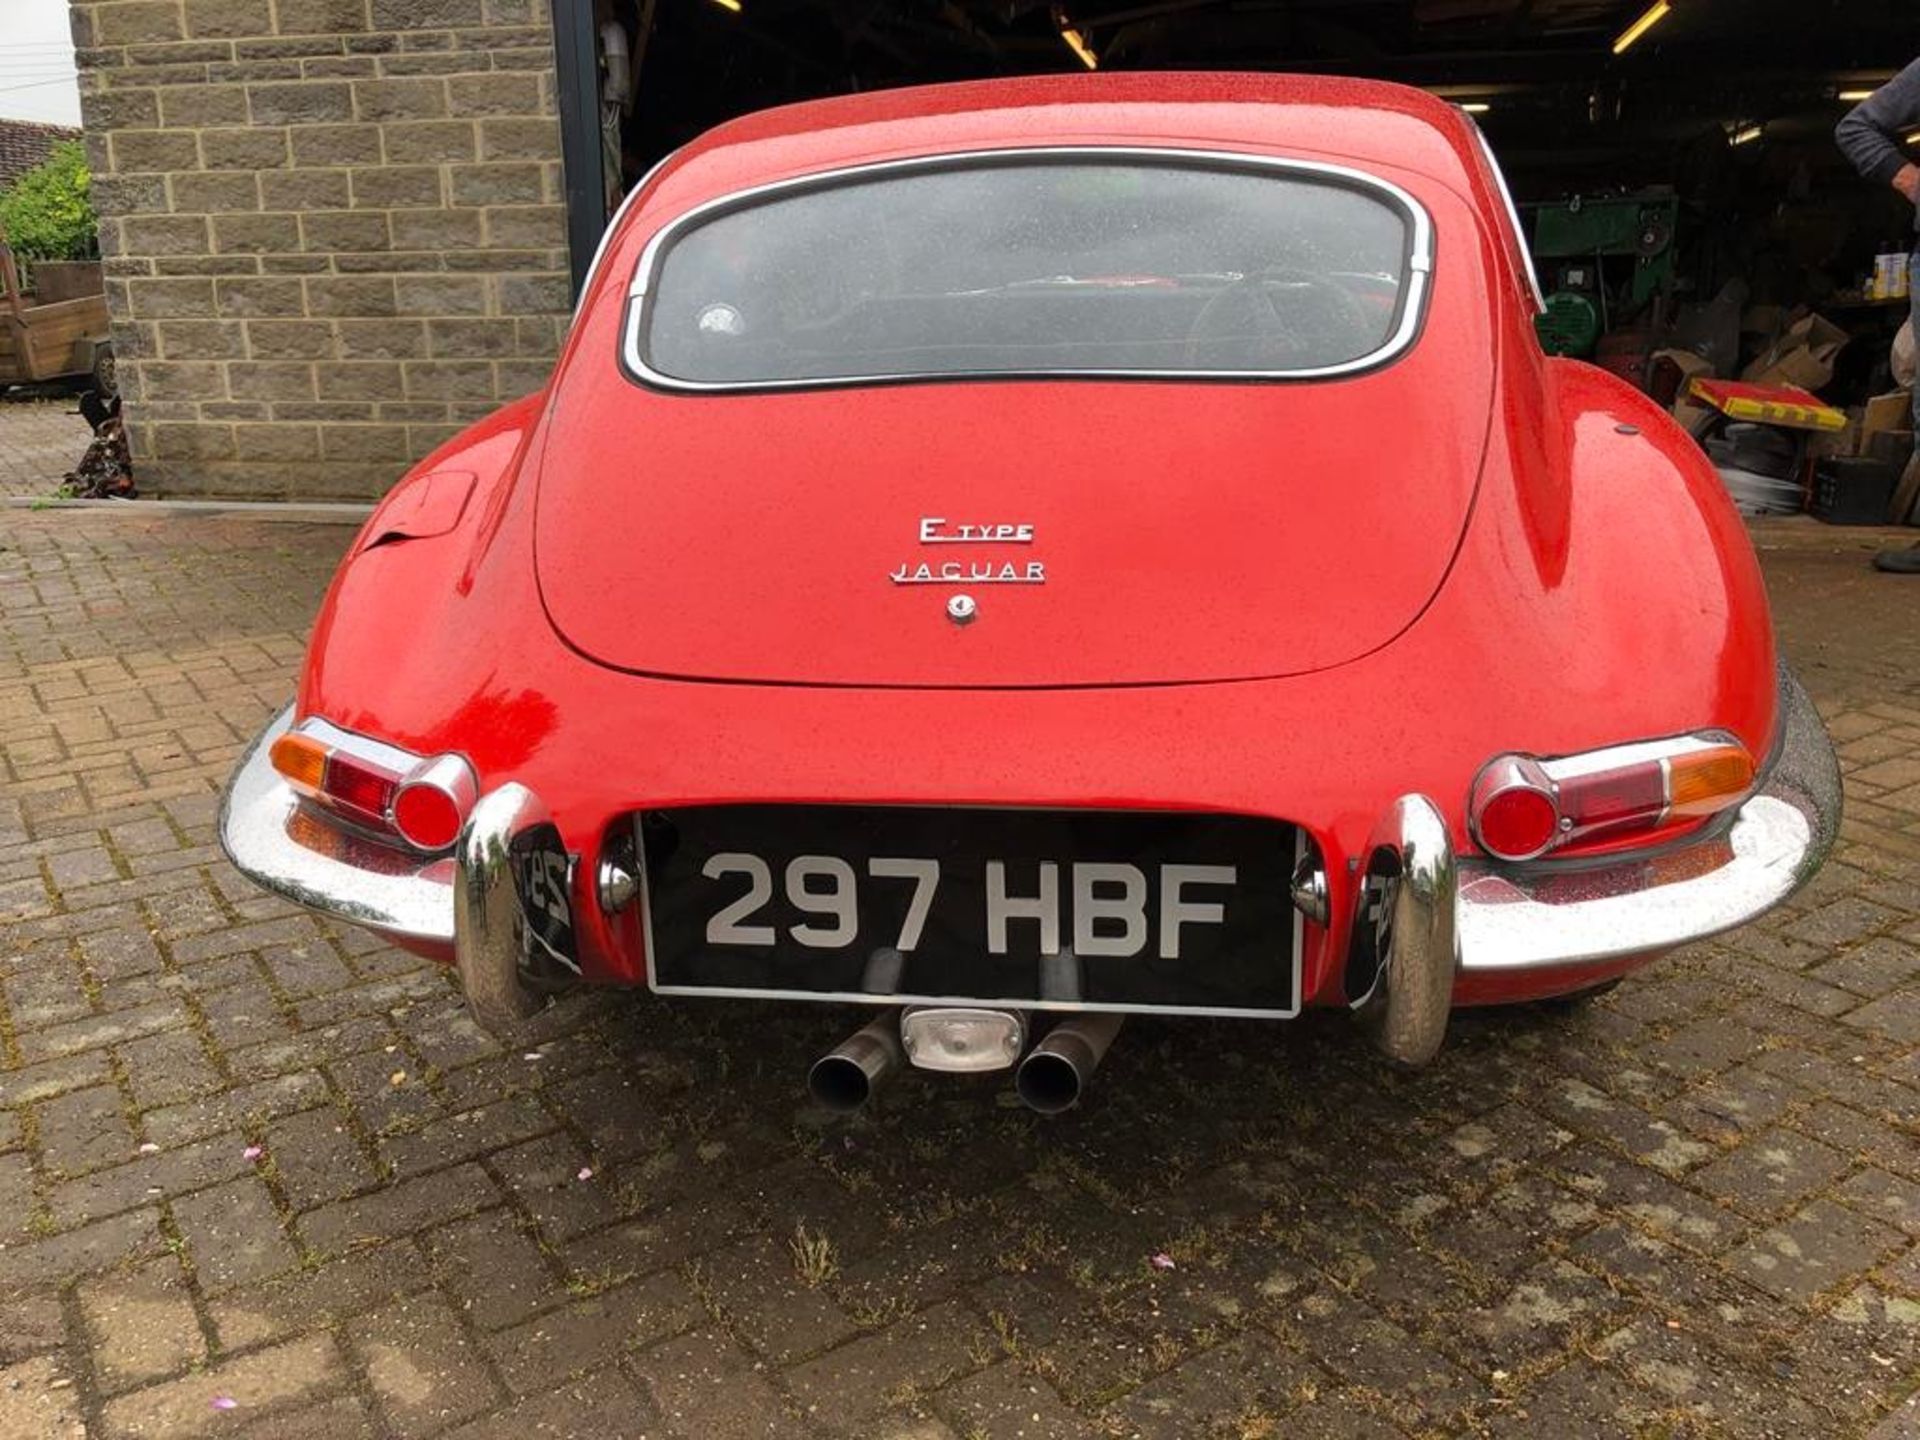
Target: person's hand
x=1907, y=182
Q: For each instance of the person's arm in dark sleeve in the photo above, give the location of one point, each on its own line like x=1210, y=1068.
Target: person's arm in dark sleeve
x=1869, y=134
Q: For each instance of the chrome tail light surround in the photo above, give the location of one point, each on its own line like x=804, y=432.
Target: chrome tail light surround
x=1522, y=808
x=433, y=801
x=418, y=801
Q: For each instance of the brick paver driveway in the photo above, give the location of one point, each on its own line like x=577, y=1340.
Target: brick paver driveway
x=259, y=1176
x=42, y=437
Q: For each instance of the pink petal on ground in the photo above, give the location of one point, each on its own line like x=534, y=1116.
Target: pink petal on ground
x=252, y=1152
x=1162, y=1261
x=224, y=1402
x=586, y=1173
x=149, y=1148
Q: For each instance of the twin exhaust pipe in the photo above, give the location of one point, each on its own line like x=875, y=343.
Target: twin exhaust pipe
x=846, y=1076
x=1051, y=1078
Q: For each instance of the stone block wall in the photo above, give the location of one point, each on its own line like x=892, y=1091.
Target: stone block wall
x=332, y=230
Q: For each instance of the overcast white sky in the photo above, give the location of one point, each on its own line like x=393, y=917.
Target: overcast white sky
x=36, y=62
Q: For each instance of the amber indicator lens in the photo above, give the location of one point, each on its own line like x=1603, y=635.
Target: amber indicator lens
x=1710, y=780
x=302, y=760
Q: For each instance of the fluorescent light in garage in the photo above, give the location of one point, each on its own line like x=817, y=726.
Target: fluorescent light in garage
x=1475, y=107
x=1646, y=22
x=1074, y=39
x=1077, y=43
x=733, y=5
x=1746, y=134
x=1851, y=95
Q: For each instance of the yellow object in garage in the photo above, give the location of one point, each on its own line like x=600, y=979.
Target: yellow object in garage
x=1785, y=405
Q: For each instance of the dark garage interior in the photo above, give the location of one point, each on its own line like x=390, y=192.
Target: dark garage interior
x=1688, y=210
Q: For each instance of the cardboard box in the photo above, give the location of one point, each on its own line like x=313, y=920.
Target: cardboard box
x=1892, y=411
x=1893, y=447
x=1691, y=414
x=1803, y=355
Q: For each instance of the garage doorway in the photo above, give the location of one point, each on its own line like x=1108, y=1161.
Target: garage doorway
x=1710, y=128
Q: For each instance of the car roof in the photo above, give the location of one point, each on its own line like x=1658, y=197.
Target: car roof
x=1364, y=122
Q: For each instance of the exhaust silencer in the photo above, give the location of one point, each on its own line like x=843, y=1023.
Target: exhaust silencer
x=1057, y=1070
x=845, y=1077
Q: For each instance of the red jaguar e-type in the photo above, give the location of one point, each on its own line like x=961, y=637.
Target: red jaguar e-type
x=1053, y=548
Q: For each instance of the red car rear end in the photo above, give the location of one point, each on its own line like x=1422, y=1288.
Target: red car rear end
x=1066, y=547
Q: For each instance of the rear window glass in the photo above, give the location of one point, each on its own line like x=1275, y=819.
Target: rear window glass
x=1033, y=266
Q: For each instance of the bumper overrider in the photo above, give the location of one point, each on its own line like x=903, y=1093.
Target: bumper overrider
x=1428, y=925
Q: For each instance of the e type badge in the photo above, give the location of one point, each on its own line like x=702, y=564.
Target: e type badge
x=935, y=530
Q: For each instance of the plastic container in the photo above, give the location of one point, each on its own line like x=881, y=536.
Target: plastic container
x=1852, y=490
x=1890, y=280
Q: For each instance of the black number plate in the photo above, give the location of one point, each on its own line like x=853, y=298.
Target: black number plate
x=1047, y=908
x=540, y=869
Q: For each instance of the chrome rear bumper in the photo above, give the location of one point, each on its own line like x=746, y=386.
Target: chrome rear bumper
x=1424, y=917
x=1567, y=916
x=464, y=905
x=276, y=844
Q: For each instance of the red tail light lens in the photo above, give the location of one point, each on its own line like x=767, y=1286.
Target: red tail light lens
x=432, y=802
x=423, y=802
x=359, y=785
x=1515, y=813
x=1522, y=808
x=426, y=818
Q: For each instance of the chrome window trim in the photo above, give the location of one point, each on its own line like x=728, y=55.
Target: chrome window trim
x=1513, y=217
x=607, y=234
x=1420, y=249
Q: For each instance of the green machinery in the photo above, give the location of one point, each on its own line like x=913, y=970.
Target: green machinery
x=1603, y=259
